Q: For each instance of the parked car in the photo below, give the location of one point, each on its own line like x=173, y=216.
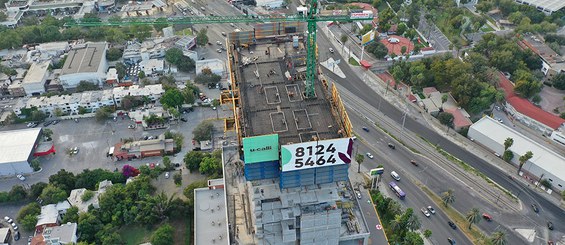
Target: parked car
x=451, y=241
x=218, y=42
x=414, y=163
x=74, y=150
x=218, y=50
x=17, y=236
x=535, y=208
x=369, y=155
x=331, y=50
x=223, y=34
x=425, y=212
x=131, y=126
x=55, y=122
x=549, y=225
x=167, y=175
x=45, y=124
x=366, y=129
x=21, y=177
x=183, y=119
x=391, y=146
x=358, y=194
x=15, y=227
x=76, y=120
x=452, y=225
x=6, y=218
x=432, y=210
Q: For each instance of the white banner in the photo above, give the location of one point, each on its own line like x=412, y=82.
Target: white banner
x=316, y=154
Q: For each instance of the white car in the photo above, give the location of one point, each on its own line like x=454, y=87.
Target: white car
x=369, y=155
x=74, y=150
x=6, y=218
x=395, y=175
x=218, y=42
x=167, y=175
x=432, y=210
x=331, y=50
x=358, y=194
x=21, y=177
x=425, y=212
x=218, y=50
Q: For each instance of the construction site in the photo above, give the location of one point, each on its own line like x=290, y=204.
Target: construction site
x=298, y=203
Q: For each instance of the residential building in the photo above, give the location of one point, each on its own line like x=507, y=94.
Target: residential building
x=149, y=49
x=51, y=215
x=217, y=66
x=153, y=92
x=105, y=6
x=75, y=198
x=18, y=147
x=152, y=66
x=210, y=223
x=144, y=148
x=545, y=163
x=139, y=115
x=186, y=42
x=53, y=49
x=85, y=62
x=524, y=111
x=34, y=81
x=112, y=76
x=57, y=235
x=17, y=8
x=552, y=62
x=68, y=104
x=15, y=88
x=270, y=4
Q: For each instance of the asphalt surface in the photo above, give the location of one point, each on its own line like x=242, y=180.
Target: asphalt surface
x=377, y=235
x=363, y=92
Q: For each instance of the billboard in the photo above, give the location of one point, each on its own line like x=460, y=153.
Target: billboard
x=316, y=154
x=263, y=148
x=368, y=38
x=362, y=15
x=376, y=171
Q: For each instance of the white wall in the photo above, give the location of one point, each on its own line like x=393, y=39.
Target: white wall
x=72, y=80
x=12, y=169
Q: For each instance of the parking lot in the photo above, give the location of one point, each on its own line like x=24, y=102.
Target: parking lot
x=93, y=140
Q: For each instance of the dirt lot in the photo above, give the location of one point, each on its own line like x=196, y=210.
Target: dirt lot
x=552, y=98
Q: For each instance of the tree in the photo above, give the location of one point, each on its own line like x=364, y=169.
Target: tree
x=159, y=27
x=413, y=238
x=445, y=118
x=366, y=28
x=38, y=116
x=64, y=180
x=36, y=189
x=167, y=163
x=507, y=155
x=52, y=194
x=189, y=190
x=172, y=98
x=427, y=233
x=113, y=54
x=35, y=164
x=103, y=113
x=403, y=50
x=192, y=160
x=82, y=110
x=174, y=55
x=86, y=86
x=202, y=37
x=359, y=158
x=177, y=179
x=211, y=166
x=87, y=195
x=3, y=16
x=112, y=239
x=448, y=197
x=58, y=112
x=523, y=159
x=129, y=171
x=498, y=238
x=508, y=143
x=71, y=215
x=47, y=133
x=203, y=131
x=559, y=81
x=121, y=70
x=163, y=235
x=473, y=216
x=17, y=193
x=378, y=49
x=206, y=77
x=88, y=226
x=31, y=210
x=343, y=40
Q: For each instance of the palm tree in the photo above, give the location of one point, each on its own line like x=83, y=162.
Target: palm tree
x=498, y=238
x=507, y=143
x=523, y=159
x=413, y=223
x=343, y=40
x=448, y=197
x=396, y=223
x=395, y=208
x=473, y=216
x=359, y=158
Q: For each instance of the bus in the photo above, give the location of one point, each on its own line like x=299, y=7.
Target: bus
x=397, y=190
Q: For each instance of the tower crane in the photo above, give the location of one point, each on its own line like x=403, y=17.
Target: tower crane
x=311, y=18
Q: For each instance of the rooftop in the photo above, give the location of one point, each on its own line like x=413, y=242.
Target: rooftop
x=84, y=58
x=75, y=198
x=395, y=43
x=17, y=145
x=137, y=90
x=542, y=156
x=526, y=107
x=65, y=234
x=273, y=104
x=36, y=72
x=552, y=5
x=210, y=216
x=538, y=46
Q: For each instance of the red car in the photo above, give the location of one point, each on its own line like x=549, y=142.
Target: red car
x=487, y=217
x=414, y=163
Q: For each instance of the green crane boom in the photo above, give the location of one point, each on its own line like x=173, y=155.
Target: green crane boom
x=311, y=18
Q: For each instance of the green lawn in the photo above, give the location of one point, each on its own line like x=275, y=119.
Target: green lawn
x=353, y=62
x=135, y=235
x=186, y=31
x=486, y=28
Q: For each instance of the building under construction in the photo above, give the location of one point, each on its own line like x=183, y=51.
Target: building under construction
x=295, y=150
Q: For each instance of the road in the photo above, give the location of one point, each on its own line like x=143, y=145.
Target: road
x=377, y=236
x=364, y=93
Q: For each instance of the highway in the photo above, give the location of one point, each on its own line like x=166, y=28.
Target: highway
x=524, y=218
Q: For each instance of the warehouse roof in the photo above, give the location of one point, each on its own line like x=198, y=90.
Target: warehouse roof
x=36, y=72
x=552, y=5
x=84, y=58
x=543, y=157
x=17, y=145
x=210, y=220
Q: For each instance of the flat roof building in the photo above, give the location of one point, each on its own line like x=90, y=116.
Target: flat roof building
x=545, y=163
x=546, y=6
x=34, y=81
x=17, y=147
x=85, y=62
x=217, y=66
x=210, y=215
